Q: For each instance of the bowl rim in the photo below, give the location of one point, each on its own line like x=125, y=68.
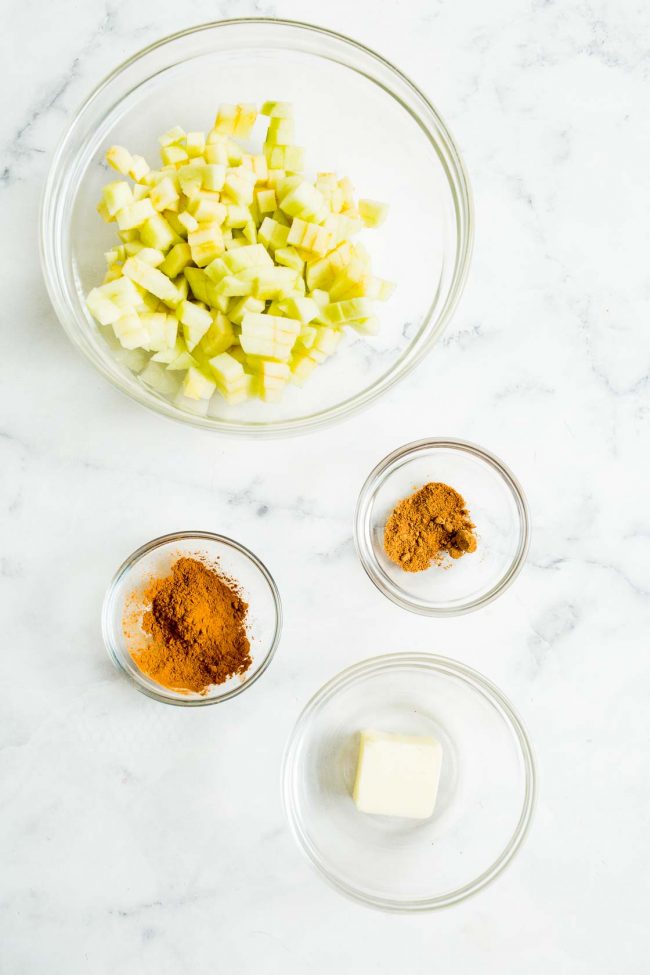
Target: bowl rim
x=477, y=682
x=166, y=695
x=459, y=187
x=362, y=529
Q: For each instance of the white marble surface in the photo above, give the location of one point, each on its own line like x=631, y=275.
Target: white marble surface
x=137, y=838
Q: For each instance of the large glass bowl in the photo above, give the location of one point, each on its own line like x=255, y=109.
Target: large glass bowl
x=485, y=797
x=356, y=115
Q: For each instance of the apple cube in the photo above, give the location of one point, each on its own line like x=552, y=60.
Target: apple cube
x=120, y=159
x=150, y=278
x=196, y=385
x=372, y=212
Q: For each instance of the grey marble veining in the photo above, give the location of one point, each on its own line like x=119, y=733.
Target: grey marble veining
x=138, y=839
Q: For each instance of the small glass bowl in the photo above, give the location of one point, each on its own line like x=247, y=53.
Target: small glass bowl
x=264, y=621
x=357, y=115
x=496, y=504
x=485, y=798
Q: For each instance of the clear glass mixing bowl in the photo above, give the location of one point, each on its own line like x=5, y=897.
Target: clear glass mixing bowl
x=485, y=797
x=356, y=115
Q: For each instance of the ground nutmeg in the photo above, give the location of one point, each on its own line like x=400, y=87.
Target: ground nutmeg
x=422, y=528
x=196, y=621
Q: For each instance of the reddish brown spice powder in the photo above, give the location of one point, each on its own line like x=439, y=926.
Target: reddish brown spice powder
x=196, y=620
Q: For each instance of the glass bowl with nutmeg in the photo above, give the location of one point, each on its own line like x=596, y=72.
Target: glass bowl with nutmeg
x=442, y=527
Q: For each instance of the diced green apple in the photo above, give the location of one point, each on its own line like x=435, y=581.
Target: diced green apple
x=251, y=260
x=150, y=278
x=177, y=259
x=135, y=214
x=196, y=385
x=196, y=321
x=120, y=159
x=116, y=196
x=277, y=109
x=373, y=213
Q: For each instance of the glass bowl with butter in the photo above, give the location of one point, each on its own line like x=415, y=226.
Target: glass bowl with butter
x=409, y=782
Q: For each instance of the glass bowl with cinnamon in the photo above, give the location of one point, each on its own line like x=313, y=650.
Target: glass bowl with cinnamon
x=192, y=618
x=442, y=527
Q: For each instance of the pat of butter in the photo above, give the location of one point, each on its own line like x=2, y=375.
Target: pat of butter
x=397, y=775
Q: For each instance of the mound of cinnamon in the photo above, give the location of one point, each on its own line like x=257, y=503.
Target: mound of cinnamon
x=196, y=621
x=428, y=525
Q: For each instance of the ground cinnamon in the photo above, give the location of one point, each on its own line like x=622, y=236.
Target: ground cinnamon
x=196, y=621
x=426, y=525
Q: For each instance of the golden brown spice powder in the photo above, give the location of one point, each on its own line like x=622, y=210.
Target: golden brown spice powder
x=422, y=528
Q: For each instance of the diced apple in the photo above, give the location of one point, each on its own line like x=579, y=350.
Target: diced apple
x=173, y=155
x=102, y=307
x=216, y=153
x=280, y=131
x=277, y=109
x=190, y=176
x=195, y=320
x=123, y=292
x=237, y=217
x=213, y=176
x=302, y=367
x=227, y=371
x=116, y=196
x=135, y=214
x=372, y=212
x=164, y=196
x=307, y=336
x=340, y=312
x=244, y=120
x=177, y=259
x=310, y=237
x=161, y=330
x=289, y=158
x=156, y=232
x=274, y=282
x=150, y=256
x=195, y=144
x=172, y=136
x=206, y=243
x=139, y=168
x=266, y=201
x=196, y=385
x=218, y=338
x=289, y=257
x=129, y=331
x=253, y=255
x=182, y=362
x=304, y=201
x=240, y=306
x=188, y=221
x=301, y=309
x=238, y=189
x=273, y=234
x=149, y=278
x=115, y=255
x=253, y=261
x=120, y=159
